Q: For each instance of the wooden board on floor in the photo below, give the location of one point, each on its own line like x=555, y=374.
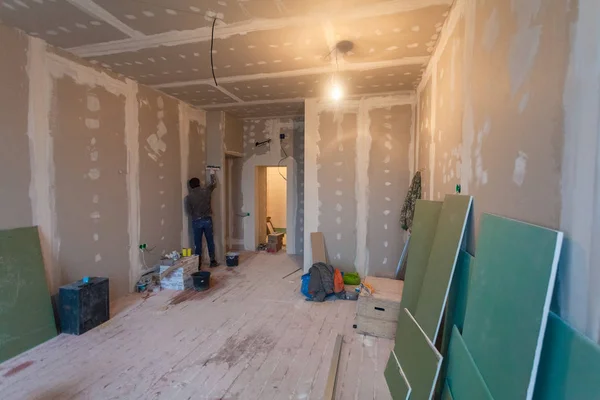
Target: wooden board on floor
x=463, y=379
x=509, y=301
x=442, y=260
x=396, y=380
x=333, y=368
x=25, y=306
x=421, y=239
x=317, y=242
x=569, y=365
x=419, y=359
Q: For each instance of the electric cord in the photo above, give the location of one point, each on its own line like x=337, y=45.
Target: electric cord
x=212, y=42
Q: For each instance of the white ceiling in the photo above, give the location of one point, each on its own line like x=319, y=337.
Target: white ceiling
x=268, y=54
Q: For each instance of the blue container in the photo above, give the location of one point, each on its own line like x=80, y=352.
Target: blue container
x=304, y=286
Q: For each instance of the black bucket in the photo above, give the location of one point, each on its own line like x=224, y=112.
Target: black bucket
x=232, y=259
x=201, y=280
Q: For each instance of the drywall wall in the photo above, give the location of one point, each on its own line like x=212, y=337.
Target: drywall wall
x=515, y=122
x=224, y=134
x=236, y=203
x=489, y=119
x=90, y=162
x=276, y=152
x=299, y=157
x=15, y=170
x=234, y=135
x=160, y=173
x=90, y=166
x=579, y=269
x=358, y=165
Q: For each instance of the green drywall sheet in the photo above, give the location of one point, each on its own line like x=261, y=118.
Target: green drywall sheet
x=396, y=381
x=421, y=239
x=457, y=305
x=569, y=365
x=25, y=306
x=417, y=356
x=440, y=266
x=463, y=378
x=509, y=301
x=446, y=393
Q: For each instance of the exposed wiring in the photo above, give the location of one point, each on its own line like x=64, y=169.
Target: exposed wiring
x=212, y=42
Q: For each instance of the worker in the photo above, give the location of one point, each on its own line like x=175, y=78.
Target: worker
x=198, y=206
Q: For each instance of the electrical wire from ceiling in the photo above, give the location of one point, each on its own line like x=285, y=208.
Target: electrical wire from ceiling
x=212, y=42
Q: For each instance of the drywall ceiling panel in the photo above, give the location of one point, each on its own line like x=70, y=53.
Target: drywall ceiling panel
x=278, y=88
x=199, y=95
x=256, y=52
x=390, y=79
x=152, y=17
x=407, y=34
x=265, y=110
x=58, y=22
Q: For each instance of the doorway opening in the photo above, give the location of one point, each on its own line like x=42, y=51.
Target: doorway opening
x=271, y=213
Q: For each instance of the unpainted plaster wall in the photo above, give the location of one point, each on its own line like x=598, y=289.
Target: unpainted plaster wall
x=90, y=162
x=271, y=154
x=234, y=135
x=89, y=168
x=15, y=170
x=160, y=173
x=299, y=157
x=358, y=162
x=515, y=122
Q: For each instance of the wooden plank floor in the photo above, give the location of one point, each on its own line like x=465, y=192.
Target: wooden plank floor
x=251, y=336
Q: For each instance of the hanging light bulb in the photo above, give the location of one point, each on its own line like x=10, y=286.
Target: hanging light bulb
x=336, y=92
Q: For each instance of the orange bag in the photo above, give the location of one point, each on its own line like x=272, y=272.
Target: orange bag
x=338, y=281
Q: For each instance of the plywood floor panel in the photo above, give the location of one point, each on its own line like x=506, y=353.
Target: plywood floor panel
x=251, y=336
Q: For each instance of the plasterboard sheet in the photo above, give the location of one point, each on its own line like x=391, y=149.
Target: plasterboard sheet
x=423, y=232
x=199, y=95
x=463, y=380
x=417, y=356
x=265, y=110
x=508, y=302
x=386, y=37
x=378, y=80
x=153, y=17
x=396, y=380
x=278, y=88
x=253, y=53
x=442, y=259
x=57, y=22
x=569, y=365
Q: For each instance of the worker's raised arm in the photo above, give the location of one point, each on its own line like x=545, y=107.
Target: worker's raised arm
x=213, y=180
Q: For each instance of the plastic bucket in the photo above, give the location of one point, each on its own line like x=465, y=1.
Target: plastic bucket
x=201, y=280
x=232, y=259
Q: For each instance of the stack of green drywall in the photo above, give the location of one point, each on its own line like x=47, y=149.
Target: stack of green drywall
x=414, y=364
x=25, y=306
x=507, y=308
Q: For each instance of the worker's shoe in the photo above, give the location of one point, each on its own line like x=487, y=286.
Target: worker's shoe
x=214, y=263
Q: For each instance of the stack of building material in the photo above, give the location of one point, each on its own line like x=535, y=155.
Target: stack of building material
x=178, y=275
x=377, y=314
x=275, y=242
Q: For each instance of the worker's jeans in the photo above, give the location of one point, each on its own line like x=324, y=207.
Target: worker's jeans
x=204, y=226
